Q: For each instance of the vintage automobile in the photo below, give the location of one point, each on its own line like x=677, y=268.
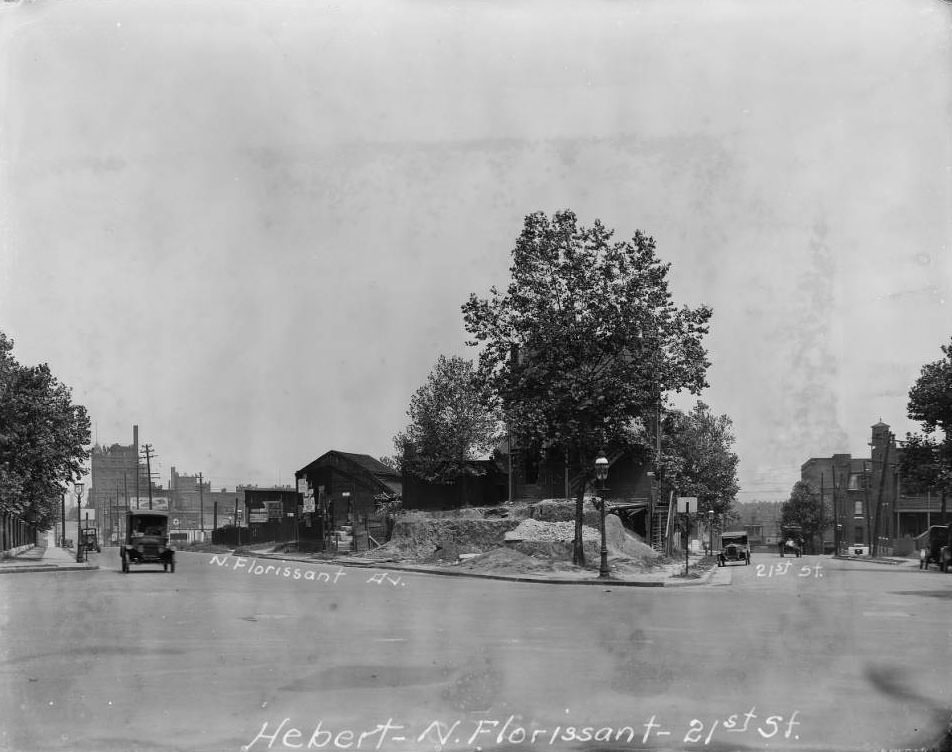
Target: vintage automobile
x=734, y=547
x=935, y=547
x=791, y=540
x=147, y=540
x=91, y=540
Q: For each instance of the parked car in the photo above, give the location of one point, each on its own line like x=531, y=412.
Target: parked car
x=734, y=547
x=935, y=547
x=91, y=540
x=791, y=540
x=147, y=540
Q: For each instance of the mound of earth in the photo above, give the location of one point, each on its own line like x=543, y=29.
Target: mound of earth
x=563, y=510
x=424, y=538
x=554, y=541
x=529, y=539
x=506, y=560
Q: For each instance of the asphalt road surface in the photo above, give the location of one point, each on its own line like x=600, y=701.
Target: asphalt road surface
x=785, y=654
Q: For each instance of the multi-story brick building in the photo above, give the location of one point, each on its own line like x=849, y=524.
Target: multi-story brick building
x=866, y=494
x=116, y=475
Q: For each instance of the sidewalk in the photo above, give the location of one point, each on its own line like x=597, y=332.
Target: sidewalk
x=44, y=558
x=669, y=575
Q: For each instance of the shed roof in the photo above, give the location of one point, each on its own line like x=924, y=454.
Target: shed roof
x=387, y=478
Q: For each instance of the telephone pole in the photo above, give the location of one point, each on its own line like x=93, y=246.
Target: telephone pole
x=147, y=449
x=201, y=506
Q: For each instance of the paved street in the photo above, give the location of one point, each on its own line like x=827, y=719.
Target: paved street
x=804, y=653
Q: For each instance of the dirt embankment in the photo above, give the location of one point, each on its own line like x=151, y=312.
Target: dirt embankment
x=531, y=537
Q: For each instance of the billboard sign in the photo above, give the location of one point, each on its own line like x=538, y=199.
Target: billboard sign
x=159, y=503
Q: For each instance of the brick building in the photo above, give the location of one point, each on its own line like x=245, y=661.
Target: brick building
x=866, y=494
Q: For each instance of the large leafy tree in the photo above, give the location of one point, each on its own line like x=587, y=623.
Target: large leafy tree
x=927, y=461
x=806, y=509
x=43, y=438
x=450, y=424
x=585, y=341
x=697, y=459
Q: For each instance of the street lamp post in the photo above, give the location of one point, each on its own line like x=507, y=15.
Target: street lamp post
x=80, y=549
x=710, y=531
x=601, y=472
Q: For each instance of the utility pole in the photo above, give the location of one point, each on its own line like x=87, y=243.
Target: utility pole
x=147, y=448
x=201, y=505
x=836, y=520
x=867, y=471
x=879, y=497
x=63, y=526
x=114, y=520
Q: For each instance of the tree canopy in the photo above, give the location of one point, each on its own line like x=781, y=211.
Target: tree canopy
x=697, y=459
x=926, y=463
x=450, y=425
x=930, y=398
x=586, y=336
x=806, y=509
x=923, y=464
x=585, y=340
x=43, y=438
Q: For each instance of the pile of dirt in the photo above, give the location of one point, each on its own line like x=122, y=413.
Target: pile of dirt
x=562, y=510
x=506, y=560
x=425, y=538
x=554, y=541
x=626, y=543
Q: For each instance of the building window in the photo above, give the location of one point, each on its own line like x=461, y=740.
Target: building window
x=858, y=509
x=858, y=534
x=856, y=482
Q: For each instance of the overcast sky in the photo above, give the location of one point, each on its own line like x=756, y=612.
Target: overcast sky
x=249, y=227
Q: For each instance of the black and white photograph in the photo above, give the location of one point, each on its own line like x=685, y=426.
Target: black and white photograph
x=476, y=376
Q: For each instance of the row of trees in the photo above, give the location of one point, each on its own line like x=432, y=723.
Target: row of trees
x=44, y=439
x=579, y=354
x=925, y=463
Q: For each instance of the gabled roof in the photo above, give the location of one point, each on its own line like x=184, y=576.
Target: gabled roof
x=387, y=479
x=369, y=464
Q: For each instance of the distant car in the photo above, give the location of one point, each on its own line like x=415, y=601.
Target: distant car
x=734, y=547
x=147, y=540
x=791, y=541
x=90, y=540
x=935, y=547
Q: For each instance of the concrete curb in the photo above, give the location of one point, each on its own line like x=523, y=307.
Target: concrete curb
x=47, y=568
x=889, y=562
x=611, y=582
